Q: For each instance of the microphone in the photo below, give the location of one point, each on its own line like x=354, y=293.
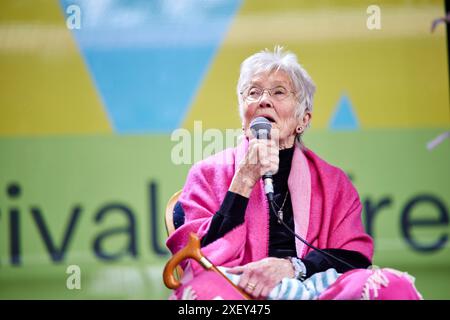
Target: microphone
x=261, y=128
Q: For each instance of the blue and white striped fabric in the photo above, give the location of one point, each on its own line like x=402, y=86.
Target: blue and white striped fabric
x=293, y=289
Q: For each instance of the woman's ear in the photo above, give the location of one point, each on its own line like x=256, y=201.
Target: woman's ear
x=303, y=123
x=306, y=119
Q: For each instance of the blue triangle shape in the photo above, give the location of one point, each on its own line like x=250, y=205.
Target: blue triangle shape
x=149, y=58
x=344, y=118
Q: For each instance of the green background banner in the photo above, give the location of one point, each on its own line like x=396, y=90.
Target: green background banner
x=99, y=202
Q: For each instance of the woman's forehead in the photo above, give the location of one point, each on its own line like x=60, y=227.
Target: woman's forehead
x=271, y=78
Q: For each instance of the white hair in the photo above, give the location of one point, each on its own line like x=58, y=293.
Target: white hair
x=267, y=61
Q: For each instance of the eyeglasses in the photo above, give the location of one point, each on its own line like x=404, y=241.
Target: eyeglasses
x=255, y=93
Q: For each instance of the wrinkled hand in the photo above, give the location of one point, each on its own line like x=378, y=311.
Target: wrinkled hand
x=262, y=156
x=260, y=277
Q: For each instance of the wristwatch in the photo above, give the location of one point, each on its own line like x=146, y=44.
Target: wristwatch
x=299, y=268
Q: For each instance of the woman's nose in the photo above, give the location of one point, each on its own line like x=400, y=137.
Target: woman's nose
x=265, y=101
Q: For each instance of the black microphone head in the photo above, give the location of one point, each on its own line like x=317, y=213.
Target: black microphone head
x=261, y=127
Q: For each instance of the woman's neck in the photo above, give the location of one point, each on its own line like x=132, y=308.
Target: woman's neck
x=287, y=143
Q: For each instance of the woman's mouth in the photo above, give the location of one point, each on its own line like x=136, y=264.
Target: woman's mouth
x=272, y=120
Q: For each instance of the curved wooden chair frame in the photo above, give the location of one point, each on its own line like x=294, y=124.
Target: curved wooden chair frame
x=172, y=271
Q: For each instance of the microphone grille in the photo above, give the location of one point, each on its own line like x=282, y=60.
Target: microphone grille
x=260, y=123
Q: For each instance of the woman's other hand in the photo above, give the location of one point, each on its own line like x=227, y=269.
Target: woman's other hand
x=260, y=277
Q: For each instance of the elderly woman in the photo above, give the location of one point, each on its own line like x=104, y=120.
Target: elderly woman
x=225, y=203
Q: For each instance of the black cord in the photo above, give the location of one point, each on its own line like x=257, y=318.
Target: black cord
x=306, y=242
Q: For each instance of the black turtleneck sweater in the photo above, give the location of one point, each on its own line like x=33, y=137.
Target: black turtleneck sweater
x=281, y=242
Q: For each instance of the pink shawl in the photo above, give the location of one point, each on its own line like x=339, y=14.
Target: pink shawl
x=327, y=210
